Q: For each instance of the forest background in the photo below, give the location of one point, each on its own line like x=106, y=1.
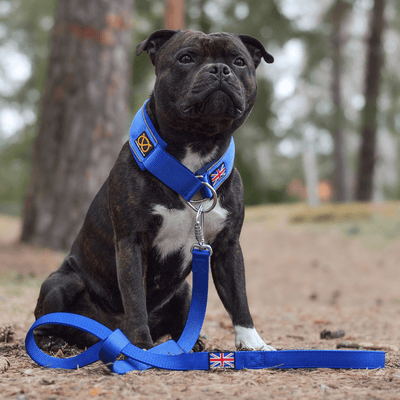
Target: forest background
x=308, y=125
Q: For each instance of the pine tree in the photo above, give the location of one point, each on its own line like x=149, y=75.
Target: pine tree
x=367, y=156
x=83, y=113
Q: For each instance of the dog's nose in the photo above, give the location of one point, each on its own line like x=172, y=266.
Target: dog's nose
x=219, y=69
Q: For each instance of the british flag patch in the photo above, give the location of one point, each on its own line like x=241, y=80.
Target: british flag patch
x=222, y=360
x=218, y=174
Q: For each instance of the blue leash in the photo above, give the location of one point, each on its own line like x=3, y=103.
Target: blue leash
x=113, y=343
x=148, y=149
x=176, y=355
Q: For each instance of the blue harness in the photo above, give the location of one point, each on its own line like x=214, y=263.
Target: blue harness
x=149, y=151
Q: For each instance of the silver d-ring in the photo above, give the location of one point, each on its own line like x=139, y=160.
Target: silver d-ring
x=215, y=199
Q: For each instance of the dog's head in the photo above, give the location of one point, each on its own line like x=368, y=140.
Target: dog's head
x=205, y=81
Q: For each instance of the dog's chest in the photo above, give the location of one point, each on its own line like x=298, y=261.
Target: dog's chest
x=177, y=229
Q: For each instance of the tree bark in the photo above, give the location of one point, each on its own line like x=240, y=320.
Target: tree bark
x=339, y=12
x=367, y=155
x=83, y=114
x=174, y=17
x=310, y=166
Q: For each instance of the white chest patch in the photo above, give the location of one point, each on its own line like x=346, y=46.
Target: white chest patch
x=194, y=161
x=177, y=229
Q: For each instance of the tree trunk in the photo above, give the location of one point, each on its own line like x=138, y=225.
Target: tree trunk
x=339, y=12
x=311, y=172
x=174, y=17
x=84, y=109
x=367, y=156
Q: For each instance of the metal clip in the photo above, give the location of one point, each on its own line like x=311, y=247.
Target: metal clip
x=199, y=231
x=199, y=226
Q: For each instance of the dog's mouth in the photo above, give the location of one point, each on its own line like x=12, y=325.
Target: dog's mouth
x=219, y=102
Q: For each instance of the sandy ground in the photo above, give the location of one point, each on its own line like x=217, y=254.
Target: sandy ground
x=301, y=279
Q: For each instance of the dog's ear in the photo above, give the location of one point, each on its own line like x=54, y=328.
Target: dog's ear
x=256, y=50
x=154, y=42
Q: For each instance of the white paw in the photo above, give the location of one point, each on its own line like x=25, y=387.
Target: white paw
x=266, y=347
x=248, y=338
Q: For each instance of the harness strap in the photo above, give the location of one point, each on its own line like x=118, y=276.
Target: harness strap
x=149, y=151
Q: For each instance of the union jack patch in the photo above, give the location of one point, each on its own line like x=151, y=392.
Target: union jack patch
x=217, y=175
x=222, y=360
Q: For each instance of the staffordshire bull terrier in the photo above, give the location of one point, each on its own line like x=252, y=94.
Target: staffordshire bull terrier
x=128, y=265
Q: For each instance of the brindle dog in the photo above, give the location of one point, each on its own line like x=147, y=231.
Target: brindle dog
x=128, y=265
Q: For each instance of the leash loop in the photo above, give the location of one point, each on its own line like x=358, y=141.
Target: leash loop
x=112, y=348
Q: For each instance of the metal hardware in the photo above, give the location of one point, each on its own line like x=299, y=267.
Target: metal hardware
x=199, y=226
x=201, y=248
x=199, y=231
x=214, y=198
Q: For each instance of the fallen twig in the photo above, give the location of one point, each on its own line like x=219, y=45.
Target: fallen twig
x=295, y=337
x=326, y=334
x=4, y=364
x=366, y=345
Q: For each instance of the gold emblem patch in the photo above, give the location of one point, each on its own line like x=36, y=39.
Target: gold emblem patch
x=144, y=145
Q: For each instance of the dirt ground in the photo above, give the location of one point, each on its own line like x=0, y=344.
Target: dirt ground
x=301, y=279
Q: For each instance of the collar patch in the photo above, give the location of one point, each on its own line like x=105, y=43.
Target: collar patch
x=144, y=144
x=218, y=174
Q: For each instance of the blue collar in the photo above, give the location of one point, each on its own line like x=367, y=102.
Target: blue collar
x=148, y=149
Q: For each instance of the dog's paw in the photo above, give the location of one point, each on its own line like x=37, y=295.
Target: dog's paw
x=199, y=346
x=50, y=343
x=249, y=339
x=267, y=347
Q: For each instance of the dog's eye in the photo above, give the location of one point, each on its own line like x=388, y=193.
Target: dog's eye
x=239, y=62
x=185, y=59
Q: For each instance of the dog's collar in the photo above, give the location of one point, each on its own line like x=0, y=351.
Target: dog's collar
x=148, y=149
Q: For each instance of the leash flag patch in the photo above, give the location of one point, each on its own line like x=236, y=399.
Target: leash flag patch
x=144, y=144
x=218, y=174
x=222, y=360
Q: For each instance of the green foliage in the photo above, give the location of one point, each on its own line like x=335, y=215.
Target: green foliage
x=15, y=172
x=265, y=22
x=28, y=26
x=148, y=17
x=29, y=20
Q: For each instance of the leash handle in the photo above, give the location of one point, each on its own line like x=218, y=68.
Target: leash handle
x=112, y=344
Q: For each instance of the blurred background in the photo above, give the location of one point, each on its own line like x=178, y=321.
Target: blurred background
x=324, y=128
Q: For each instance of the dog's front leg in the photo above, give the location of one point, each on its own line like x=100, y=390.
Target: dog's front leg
x=132, y=288
x=229, y=278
